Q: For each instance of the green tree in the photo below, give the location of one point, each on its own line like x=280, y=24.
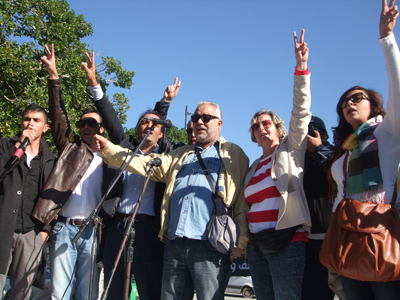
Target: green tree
x=25, y=26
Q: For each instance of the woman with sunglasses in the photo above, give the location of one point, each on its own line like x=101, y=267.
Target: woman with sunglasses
x=368, y=174
x=278, y=208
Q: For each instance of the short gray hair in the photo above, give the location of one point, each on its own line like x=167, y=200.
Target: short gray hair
x=278, y=122
x=217, y=109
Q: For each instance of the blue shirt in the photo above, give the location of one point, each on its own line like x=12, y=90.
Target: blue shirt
x=191, y=206
x=133, y=185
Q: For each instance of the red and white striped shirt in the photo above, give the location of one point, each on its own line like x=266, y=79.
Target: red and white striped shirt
x=263, y=197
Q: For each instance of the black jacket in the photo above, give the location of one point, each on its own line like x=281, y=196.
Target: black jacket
x=316, y=186
x=11, y=187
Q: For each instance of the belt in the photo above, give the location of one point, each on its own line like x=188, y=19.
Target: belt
x=138, y=217
x=76, y=222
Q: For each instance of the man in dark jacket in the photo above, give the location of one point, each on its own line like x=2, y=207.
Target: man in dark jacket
x=318, y=158
x=148, y=252
x=22, y=237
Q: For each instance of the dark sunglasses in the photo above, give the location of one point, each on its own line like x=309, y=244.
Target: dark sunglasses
x=266, y=124
x=89, y=121
x=356, y=98
x=189, y=130
x=205, y=118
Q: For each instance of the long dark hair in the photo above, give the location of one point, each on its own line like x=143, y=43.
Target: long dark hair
x=342, y=131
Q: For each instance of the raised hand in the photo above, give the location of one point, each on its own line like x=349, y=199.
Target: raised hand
x=301, y=52
x=50, y=62
x=388, y=18
x=90, y=70
x=172, y=90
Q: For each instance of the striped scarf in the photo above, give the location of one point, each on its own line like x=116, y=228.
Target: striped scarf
x=364, y=172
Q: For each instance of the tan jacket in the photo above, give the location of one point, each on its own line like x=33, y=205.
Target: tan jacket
x=235, y=164
x=287, y=162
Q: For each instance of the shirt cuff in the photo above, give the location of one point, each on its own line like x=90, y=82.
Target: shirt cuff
x=97, y=92
x=297, y=72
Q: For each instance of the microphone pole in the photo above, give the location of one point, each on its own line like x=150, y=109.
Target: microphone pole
x=129, y=231
x=93, y=218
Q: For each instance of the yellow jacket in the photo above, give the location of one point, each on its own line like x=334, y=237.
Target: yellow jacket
x=231, y=185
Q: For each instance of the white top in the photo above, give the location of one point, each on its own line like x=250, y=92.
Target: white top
x=388, y=132
x=87, y=194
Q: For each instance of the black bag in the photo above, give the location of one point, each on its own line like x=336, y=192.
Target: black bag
x=270, y=241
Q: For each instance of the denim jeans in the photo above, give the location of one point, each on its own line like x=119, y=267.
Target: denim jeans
x=63, y=256
x=370, y=290
x=147, y=263
x=194, y=264
x=279, y=275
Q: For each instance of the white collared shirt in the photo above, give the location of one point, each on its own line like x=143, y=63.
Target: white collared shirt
x=87, y=194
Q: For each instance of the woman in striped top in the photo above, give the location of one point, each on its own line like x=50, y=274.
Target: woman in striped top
x=274, y=191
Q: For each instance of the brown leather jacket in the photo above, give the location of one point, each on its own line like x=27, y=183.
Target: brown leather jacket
x=74, y=158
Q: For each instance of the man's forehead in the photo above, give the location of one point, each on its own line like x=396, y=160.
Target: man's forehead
x=206, y=108
x=91, y=115
x=151, y=116
x=30, y=114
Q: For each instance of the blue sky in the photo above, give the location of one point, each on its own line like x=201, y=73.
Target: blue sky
x=239, y=54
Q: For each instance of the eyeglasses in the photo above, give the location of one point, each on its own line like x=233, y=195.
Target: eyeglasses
x=89, y=121
x=205, y=118
x=189, y=130
x=356, y=98
x=266, y=124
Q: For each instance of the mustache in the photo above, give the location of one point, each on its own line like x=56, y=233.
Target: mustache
x=201, y=127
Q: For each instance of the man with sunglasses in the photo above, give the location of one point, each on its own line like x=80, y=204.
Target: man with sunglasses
x=71, y=193
x=190, y=262
x=148, y=250
x=190, y=133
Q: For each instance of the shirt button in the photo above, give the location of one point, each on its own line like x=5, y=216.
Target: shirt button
x=15, y=211
x=19, y=192
x=79, y=176
x=274, y=179
x=186, y=198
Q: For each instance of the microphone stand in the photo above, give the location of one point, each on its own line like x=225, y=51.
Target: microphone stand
x=93, y=218
x=129, y=232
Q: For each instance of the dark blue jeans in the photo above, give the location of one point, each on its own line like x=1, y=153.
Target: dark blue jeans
x=370, y=290
x=147, y=263
x=315, y=280
x=194, y=264
x=279, y=275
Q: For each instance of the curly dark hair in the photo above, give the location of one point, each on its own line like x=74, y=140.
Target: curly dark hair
x=342, y=131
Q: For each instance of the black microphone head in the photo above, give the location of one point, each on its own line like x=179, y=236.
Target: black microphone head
x=168, y=124
x=157, y=162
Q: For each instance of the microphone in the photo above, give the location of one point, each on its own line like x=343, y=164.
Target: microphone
x=165, y=123
x=21, y=149
x=154, y=163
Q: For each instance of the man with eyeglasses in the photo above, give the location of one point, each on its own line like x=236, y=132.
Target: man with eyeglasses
x=190, y=262
x=190, y=133
x=148, y=251
x=72, y=192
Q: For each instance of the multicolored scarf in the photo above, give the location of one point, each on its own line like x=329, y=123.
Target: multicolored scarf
x=364, y=171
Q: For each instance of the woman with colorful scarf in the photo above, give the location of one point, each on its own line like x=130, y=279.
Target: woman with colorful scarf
x=367, y=143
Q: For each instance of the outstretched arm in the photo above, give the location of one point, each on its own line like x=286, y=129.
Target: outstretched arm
x=107, y=112
x=60, y=128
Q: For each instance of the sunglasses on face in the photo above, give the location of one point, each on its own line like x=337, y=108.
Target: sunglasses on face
x=189, y=130
x=266, y=124
x=356, y=98
x=89, y=121
x=205, y=118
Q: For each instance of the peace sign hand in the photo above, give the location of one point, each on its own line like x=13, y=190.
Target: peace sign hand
x=172, y=90
x=388, y=18
x=301, y=52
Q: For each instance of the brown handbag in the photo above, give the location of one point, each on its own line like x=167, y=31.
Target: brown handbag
x=362, y=241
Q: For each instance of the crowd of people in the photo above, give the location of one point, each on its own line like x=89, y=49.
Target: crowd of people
x=285, y=205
